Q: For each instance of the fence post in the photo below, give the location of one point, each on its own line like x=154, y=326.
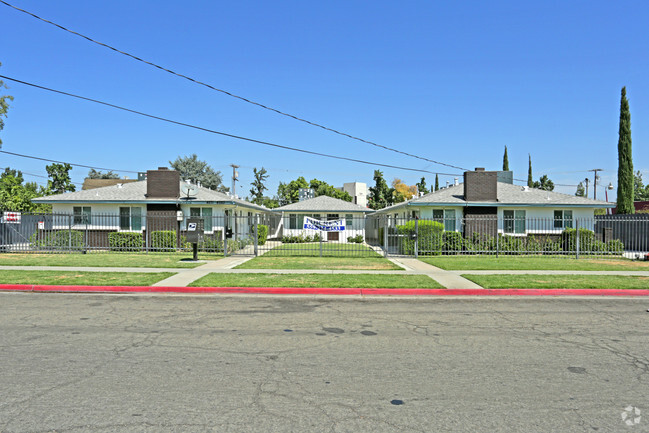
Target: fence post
x=577, y=238
x=146, y=233
x=256, y=236
x=498, y=239
x=85, y=244
x=70, y=217
x=321, y=235
x=385, y=236
x=416, y=237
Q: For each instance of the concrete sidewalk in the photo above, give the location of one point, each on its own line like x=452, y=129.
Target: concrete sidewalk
x=183, y=277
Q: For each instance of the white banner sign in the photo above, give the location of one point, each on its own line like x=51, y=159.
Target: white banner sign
x=325, y=226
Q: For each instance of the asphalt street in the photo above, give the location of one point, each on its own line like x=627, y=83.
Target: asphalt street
x=151, y=363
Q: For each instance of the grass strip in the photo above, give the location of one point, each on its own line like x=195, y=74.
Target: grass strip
x=73, y=278
x=339, y=263
x=313, y=249
x=105, y=259
x=559, y=281
x=365, y=281
x=462, y=263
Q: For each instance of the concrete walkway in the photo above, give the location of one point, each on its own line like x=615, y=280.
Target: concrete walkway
x=447, y=279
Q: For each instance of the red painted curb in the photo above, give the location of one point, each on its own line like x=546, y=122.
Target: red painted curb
x=324, y=291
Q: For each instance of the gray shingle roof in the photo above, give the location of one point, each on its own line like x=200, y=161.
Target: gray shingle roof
x=135, y=192
x=322, y=203
x=508, y=195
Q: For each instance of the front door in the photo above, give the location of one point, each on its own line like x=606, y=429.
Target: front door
x=332, y=236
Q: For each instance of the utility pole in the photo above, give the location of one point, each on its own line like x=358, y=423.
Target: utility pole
x=587, y=182
x=595, y=183
x=235, y=178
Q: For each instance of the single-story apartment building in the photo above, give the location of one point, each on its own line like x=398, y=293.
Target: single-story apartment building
x=488, y=202
x=347, y=218
x=161, y=202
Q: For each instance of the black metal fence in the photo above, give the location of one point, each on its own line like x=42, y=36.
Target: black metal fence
x=353, y=236
x=610, y=236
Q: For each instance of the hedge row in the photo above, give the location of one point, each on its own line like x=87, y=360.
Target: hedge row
x=433, y=240
x=61, y=239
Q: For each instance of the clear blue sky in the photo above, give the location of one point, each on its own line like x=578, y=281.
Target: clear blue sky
x=450, y=81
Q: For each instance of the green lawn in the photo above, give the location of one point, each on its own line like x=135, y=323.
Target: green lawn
x=460, y=263
x=293, y=262
x=559, y=281
x=312, y=249
x=106, y=259
x=318, y=280
x=82, y=278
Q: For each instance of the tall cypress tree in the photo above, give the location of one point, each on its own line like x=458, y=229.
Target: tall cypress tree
x=530, y=181
x=505, y=161
x=436, y=182
x=625, y=161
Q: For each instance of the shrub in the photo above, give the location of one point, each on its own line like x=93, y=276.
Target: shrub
x=164, y=239
x=452, y=242
x=429, y=237
x=615, y=246
x=586, y=239
x=119, y=241
x=262, y=234
x=60, y=239
x=358, y=239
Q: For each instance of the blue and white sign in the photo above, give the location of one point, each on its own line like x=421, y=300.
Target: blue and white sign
x=324, y=226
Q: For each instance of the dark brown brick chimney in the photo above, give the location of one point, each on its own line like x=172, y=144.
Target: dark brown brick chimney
x=163, y=183
x=481, y=185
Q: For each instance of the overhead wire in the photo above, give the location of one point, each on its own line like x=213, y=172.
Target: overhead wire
x=33, y=175
x=209, y=86
x=212, y=131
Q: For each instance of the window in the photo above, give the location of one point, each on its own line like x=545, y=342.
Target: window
x=514, y=221
x=81, y=214
x=130, y=218
x=446, y=217
x=296, y=221
x=205, y=213
x=349, y=221
x=562, y=219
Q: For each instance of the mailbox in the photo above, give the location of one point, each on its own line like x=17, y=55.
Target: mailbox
x=195, y=230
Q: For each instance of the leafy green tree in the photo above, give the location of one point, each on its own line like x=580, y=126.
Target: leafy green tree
x=258, y=186
x=190, y=167
x=436, y=182
x=60, y=181
x=505, y=161
x=94, y=174
x=581, y=191
x=323, y=188
x=640, y=191
x=380, y=193
x=270, y=203
x=4, y=106
x=288, y=193
x=544, y=183
x=625, y=160
x=14, y=196
x=530, y=180
x=421, y=186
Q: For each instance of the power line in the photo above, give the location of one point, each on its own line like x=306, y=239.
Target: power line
x=63, y=162
x=33, y=175
x=196, y=81
x=200, y=128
